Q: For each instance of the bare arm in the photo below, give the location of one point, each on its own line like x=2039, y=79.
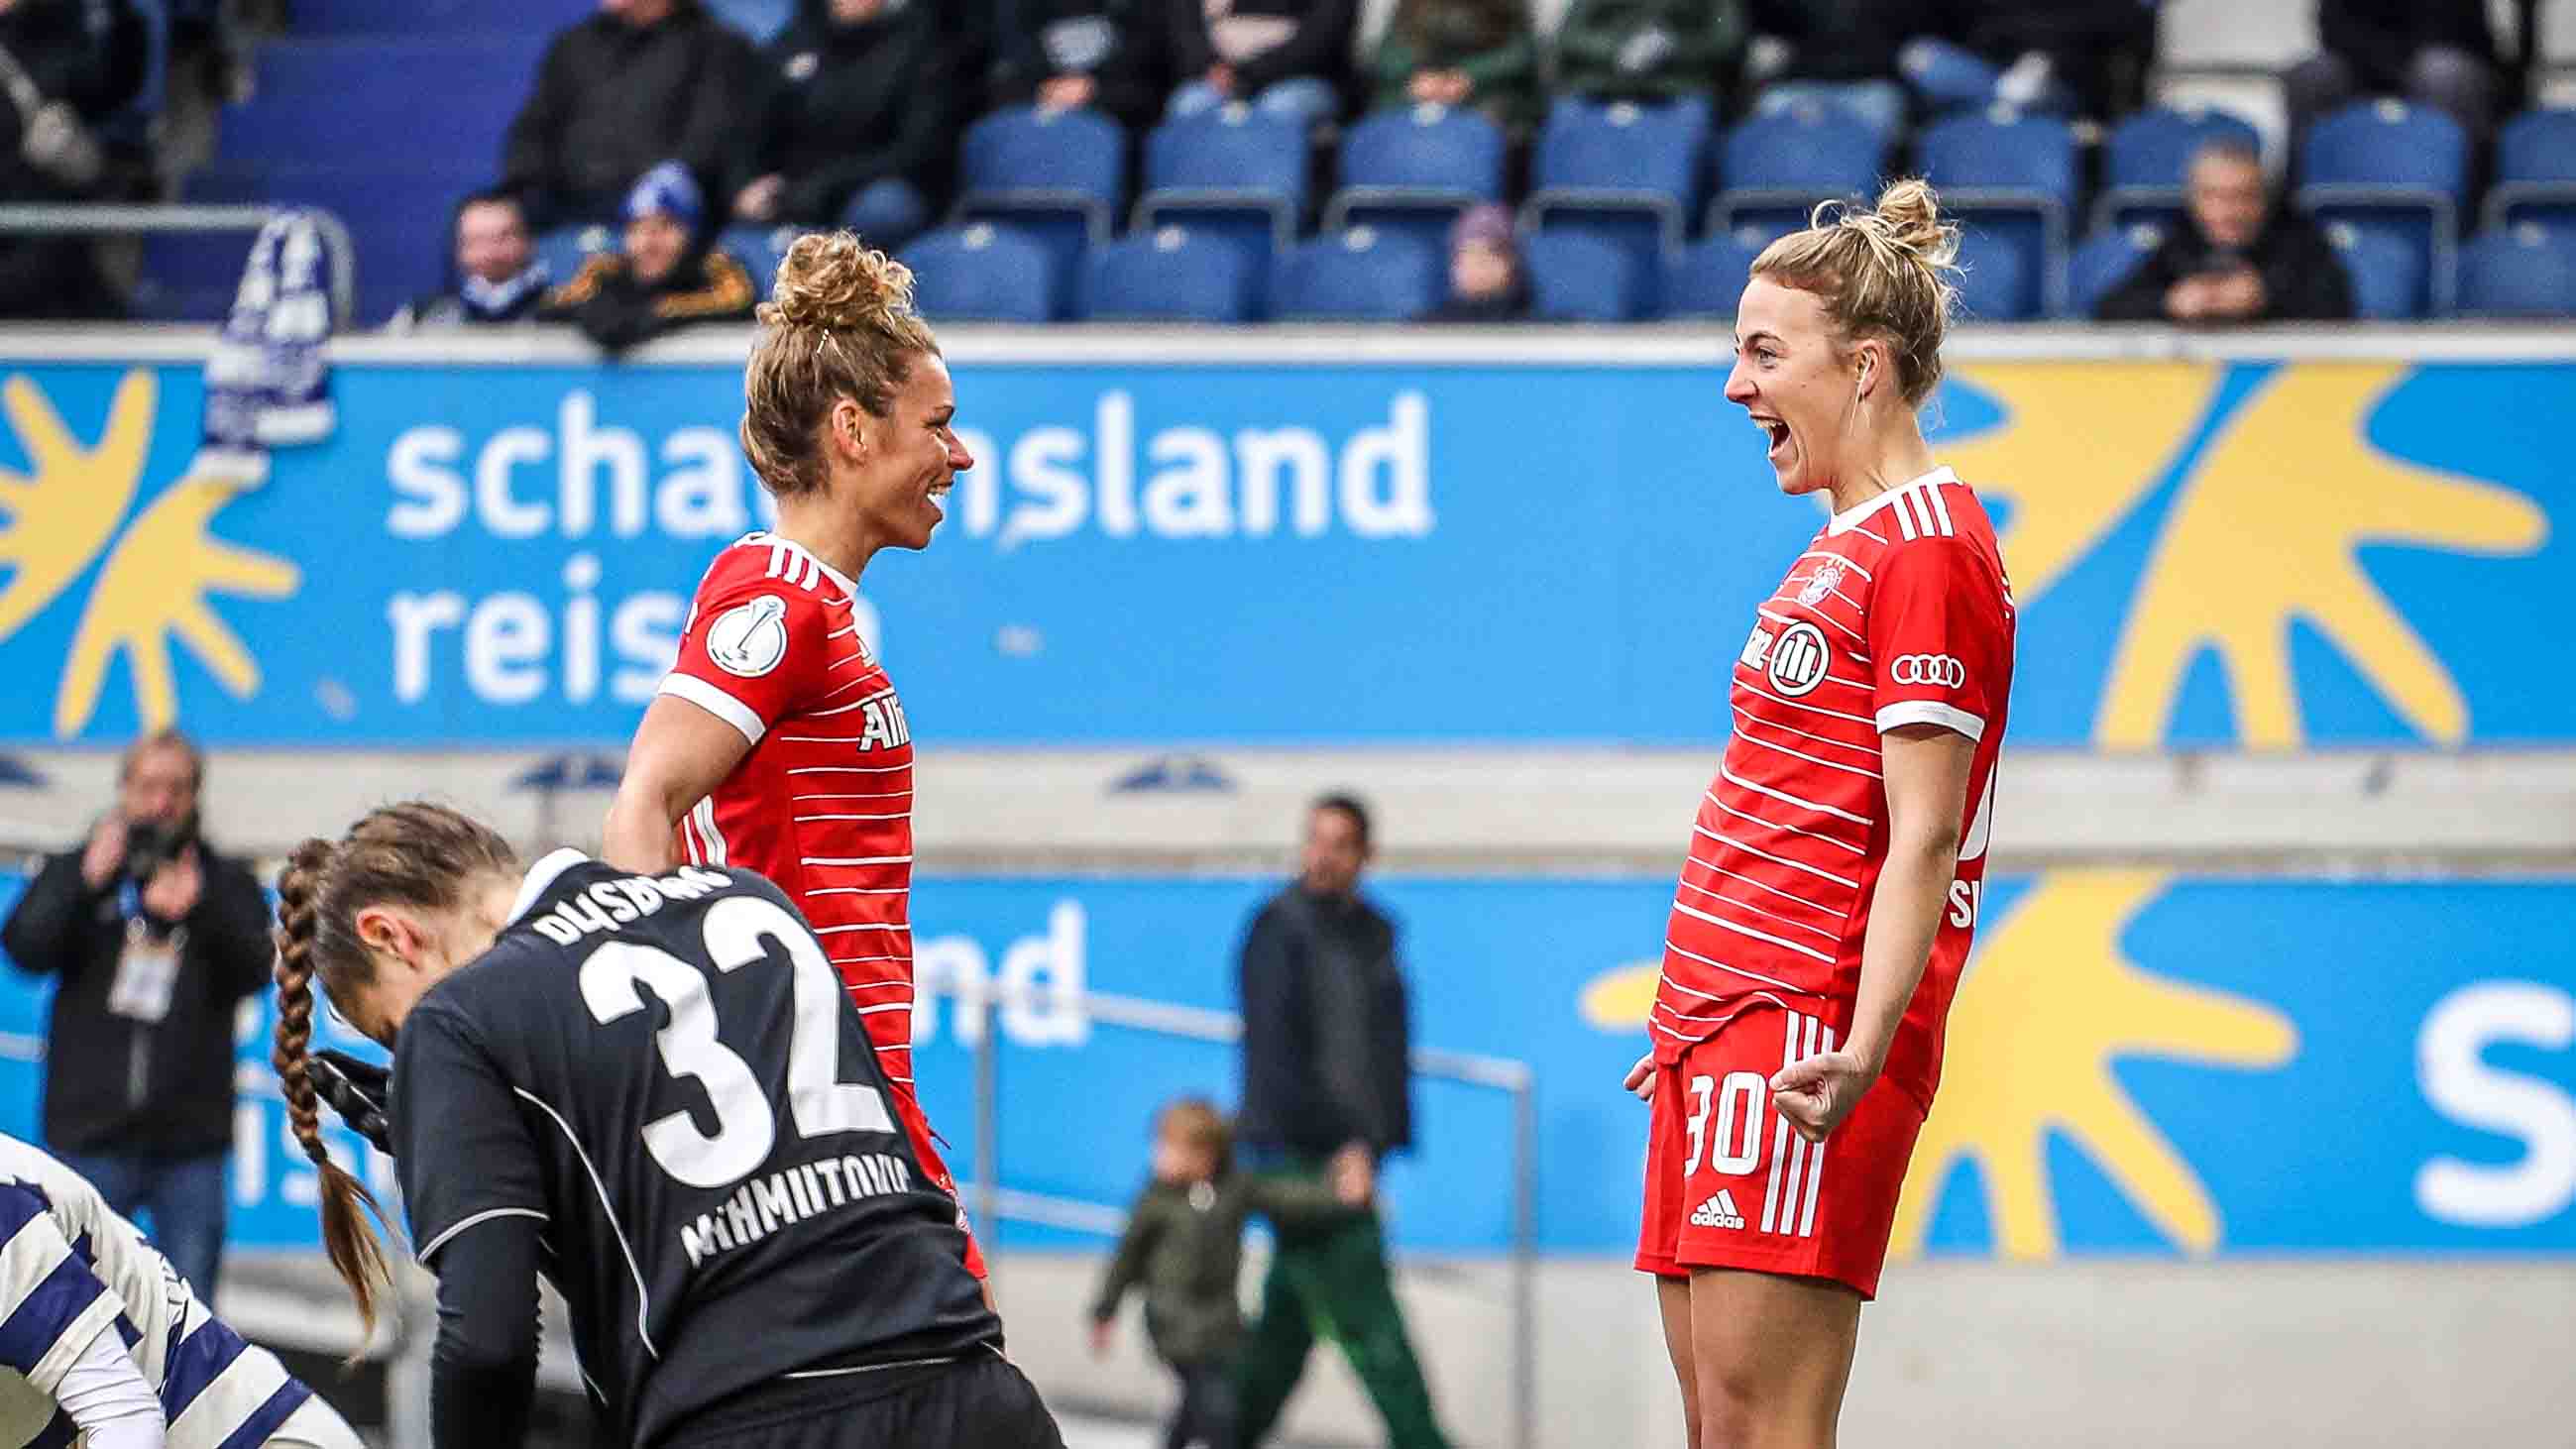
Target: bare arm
x=681, y=752
x=1927, y=798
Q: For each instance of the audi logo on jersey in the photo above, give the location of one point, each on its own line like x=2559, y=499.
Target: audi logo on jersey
x=1798, y=660
x=1938, y=670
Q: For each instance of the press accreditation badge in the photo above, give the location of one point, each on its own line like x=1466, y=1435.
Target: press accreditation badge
x=145, y=974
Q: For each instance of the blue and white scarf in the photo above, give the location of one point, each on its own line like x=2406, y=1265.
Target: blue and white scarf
x=268, y=380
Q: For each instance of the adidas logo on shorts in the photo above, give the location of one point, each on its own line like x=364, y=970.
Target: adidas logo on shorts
x=1718, y=1212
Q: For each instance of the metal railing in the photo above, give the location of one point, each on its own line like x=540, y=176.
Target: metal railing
x=995, y=1203
x=122, y=219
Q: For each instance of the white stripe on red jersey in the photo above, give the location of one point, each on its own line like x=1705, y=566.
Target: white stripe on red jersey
x=1908, y=620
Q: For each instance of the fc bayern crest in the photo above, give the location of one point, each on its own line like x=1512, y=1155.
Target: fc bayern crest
x=1827, y=578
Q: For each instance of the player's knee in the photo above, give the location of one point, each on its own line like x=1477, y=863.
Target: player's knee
x=1734, y=1410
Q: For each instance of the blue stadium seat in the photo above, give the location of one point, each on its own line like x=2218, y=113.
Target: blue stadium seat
x=1577, y=278
x=1169, y=275
x=2013, y=180
x=399, y=224
x=2105, y=260
x=1707, y=279
x=437, y=17
x=2396, y=170
x=366, y=94
x=1628, y=174
x=1357, y=276
x=980, y=272
x=1414, y=170
x=2535, y=171
x=1772, y=170
x=1057, y=176
x=2522, y=271
x=2146, y=158
x=759, y=19
x=1231, y=172
x=760, y=249
x=1999, y=280
x=2387, y=273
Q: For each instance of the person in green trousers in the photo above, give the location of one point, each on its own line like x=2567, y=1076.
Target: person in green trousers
x=1326, y=1095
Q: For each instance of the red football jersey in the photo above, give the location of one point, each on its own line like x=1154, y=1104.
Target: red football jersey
x=1898, y=613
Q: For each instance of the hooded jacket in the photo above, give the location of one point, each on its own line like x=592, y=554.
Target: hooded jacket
x=1184, y=1245
x=841, y=106
x=612, y=101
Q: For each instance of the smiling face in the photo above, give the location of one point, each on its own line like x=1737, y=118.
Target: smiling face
x=908, y=458
x=654, y=244
x=1799, y=381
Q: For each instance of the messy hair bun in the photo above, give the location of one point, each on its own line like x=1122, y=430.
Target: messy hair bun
x=840, y=324
x=832, y=279
x=1885, y=272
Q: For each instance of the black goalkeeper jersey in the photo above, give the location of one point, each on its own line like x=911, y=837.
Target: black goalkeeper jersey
x=665, y=1071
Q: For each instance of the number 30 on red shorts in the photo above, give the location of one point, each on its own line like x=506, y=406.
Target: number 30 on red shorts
x=1729, y=1184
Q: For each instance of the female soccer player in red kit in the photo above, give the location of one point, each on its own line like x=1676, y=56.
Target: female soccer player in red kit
x=1837, y=863
x=777, y=743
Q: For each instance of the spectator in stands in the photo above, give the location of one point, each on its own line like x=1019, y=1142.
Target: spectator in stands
x=153, y=940
x=1284, y=56
x=2436, y=54
x=65, y=66
x=2238, y=258
x=639, y=81
x=498, y=278
x=854, y=117
x=1458, y=53
x=1486, y=280
x=2056, y=57
x=1327, y=1093
x=1071, y=54
x=1649, y=50
x=1835, y=53
x=665, y=277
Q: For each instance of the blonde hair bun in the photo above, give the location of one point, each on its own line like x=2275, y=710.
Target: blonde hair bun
x=834, y=280
x=1910, y=211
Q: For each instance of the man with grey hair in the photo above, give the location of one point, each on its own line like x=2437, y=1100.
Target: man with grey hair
x=2235, y=258
x=152, y=940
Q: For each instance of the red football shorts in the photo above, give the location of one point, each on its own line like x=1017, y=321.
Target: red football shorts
x=1729, y=1184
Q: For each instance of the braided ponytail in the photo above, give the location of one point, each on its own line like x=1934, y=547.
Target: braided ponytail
x=355, y=1252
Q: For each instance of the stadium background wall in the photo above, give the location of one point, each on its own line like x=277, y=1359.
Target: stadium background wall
x=2262, y=1126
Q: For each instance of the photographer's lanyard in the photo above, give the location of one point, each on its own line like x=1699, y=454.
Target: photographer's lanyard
x=145, y=976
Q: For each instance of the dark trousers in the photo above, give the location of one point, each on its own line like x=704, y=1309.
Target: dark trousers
x=180, y=1202
x=1334, y=1284
x=981, y=1402
x=1205, y=1418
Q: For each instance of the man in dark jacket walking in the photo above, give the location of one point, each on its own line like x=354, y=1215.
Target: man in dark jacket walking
x=153, y=940
x=1327, y=1093
x=641, y=81
x=2236, y=258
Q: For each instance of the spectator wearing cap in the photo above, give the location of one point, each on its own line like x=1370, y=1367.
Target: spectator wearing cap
x=1073, y=54
x=1648, y=50
x=2238, y=259
x=1458, y=53
x=663, y=277
x=639, y=81
x=1486, y=280
x=2433, y=53
x=498, y=278
x=1284, y=57
x=853, y=117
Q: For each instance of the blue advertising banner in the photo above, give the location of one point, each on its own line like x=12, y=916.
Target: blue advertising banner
x=2272, y=554
x=2139, y=1062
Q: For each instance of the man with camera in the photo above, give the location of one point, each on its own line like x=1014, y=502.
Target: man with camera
x=153, y=940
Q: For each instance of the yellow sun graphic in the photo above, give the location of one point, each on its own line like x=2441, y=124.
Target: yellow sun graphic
x=2265, y=532
x=160, y=577
x=2049, y=1005
x=2080, y=444
x=61, y=517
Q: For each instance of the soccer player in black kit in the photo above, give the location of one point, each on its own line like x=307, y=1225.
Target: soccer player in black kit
x=654, y=1090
